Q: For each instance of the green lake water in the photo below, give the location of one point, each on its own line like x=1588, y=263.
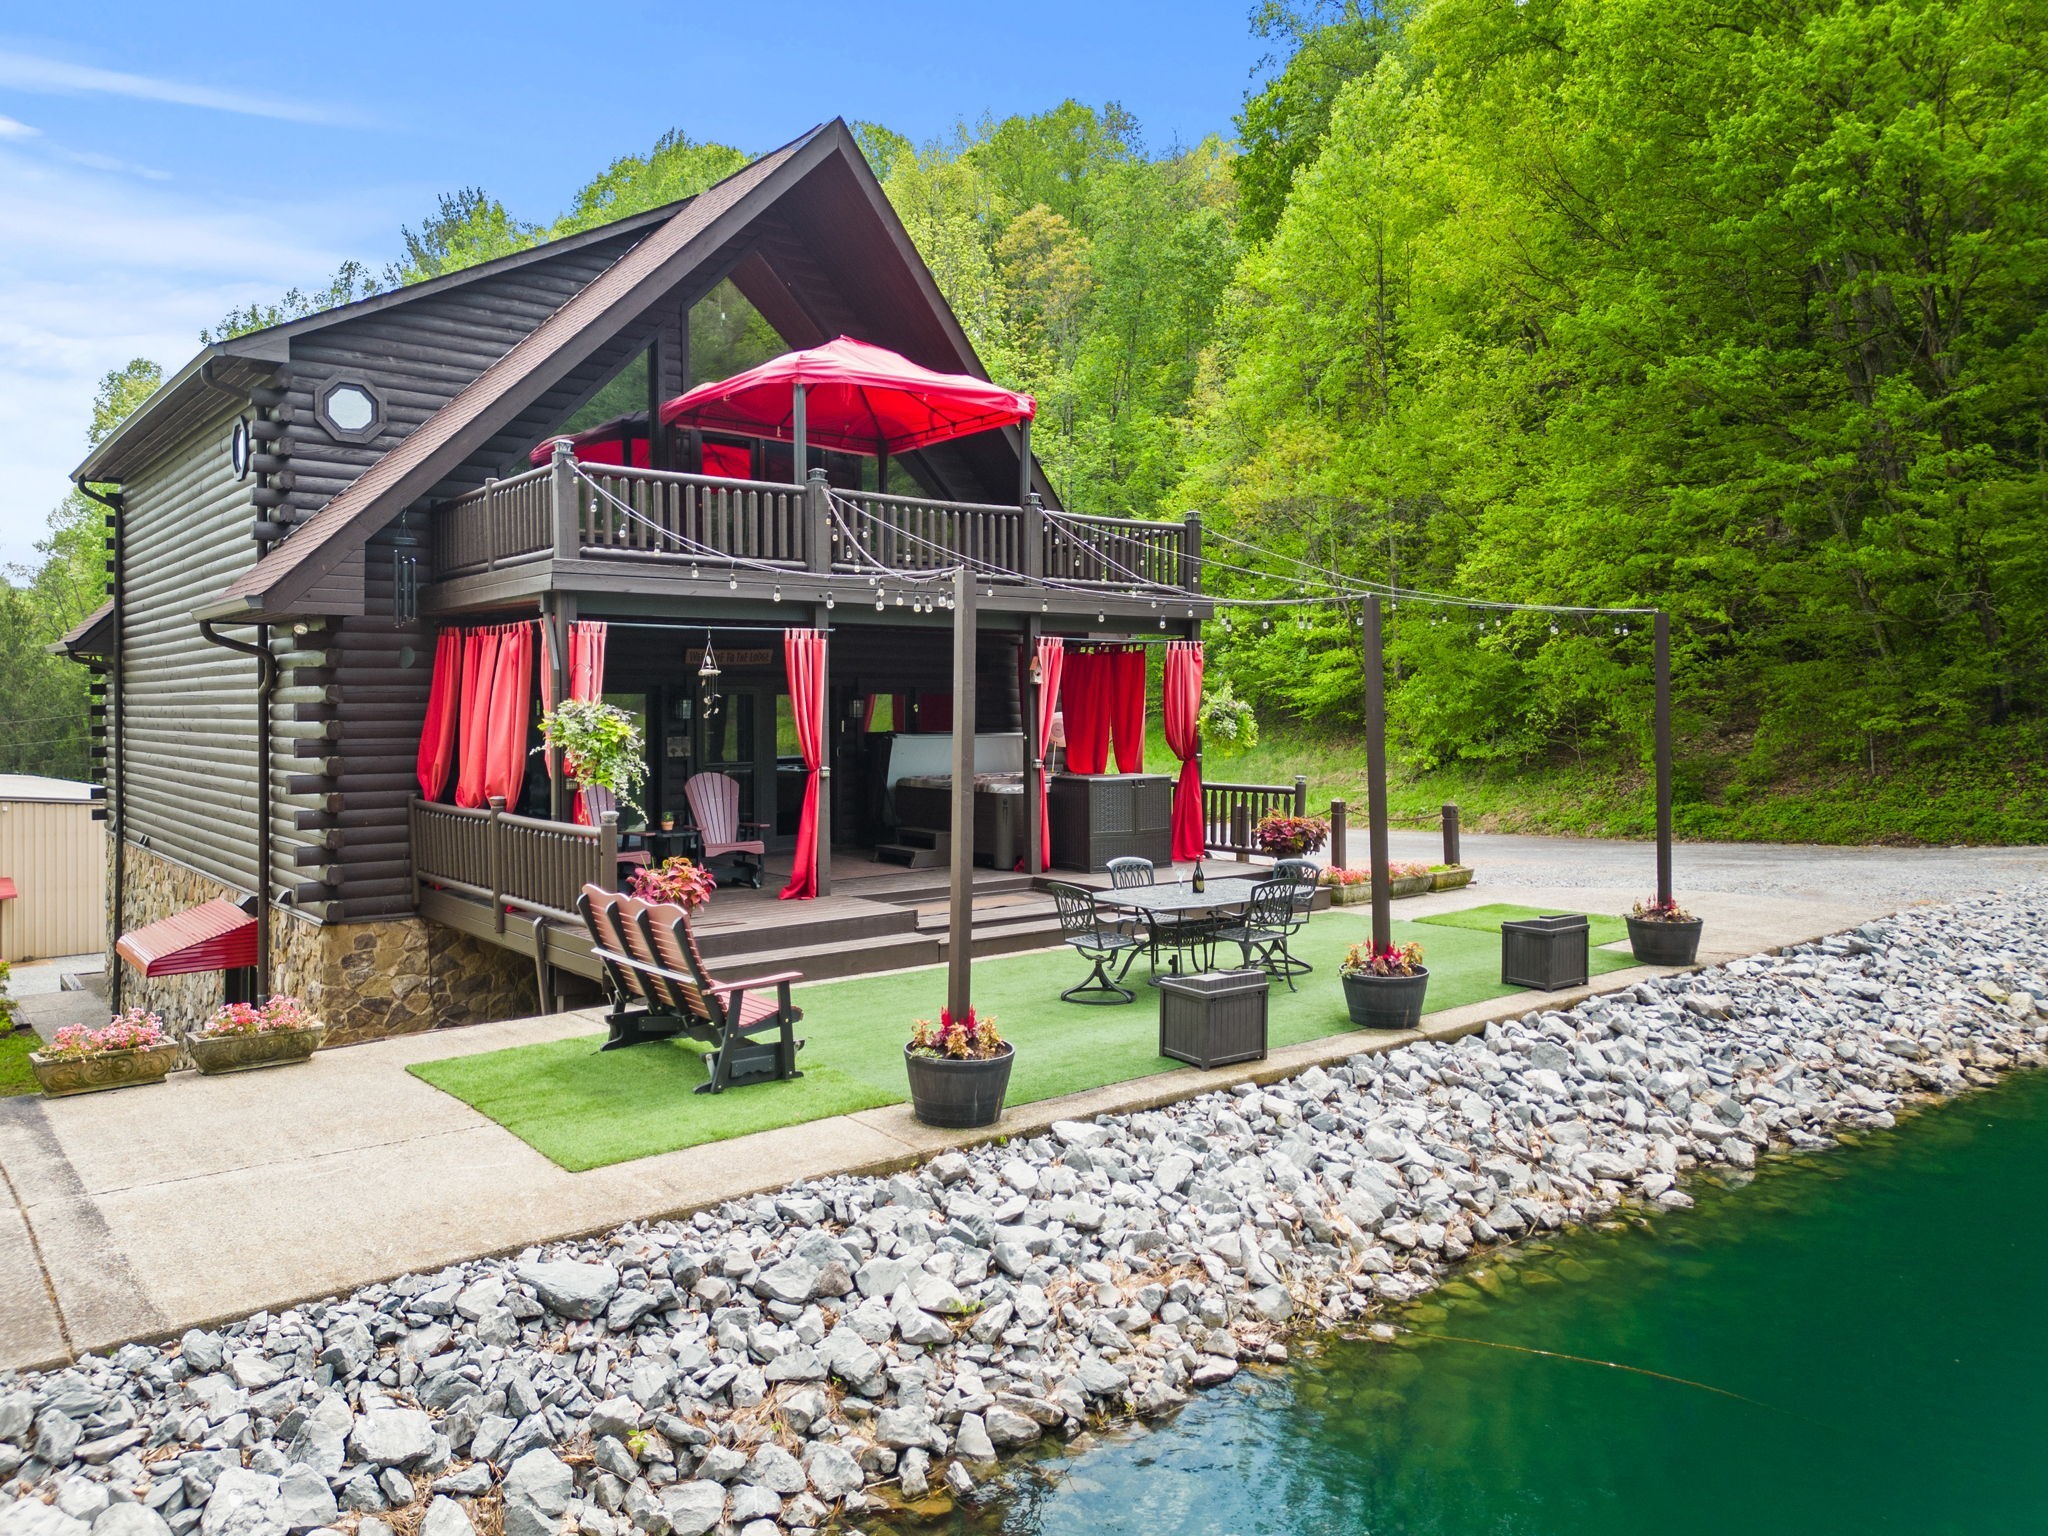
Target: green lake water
x=1860, y=1338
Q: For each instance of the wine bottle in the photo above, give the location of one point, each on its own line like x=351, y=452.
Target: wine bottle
x=1201, y=884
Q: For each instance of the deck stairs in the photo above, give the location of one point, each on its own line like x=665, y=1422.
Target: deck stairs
x=917, y=848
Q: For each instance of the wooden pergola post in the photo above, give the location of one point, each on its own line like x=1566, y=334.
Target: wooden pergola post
x=1376, y=776
x=960, y=919
x=1661, y=656
x=1034, y=763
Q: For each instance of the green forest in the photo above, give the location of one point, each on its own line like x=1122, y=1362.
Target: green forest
x=1732, y=309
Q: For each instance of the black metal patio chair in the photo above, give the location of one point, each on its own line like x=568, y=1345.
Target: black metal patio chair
x=1096, y=939
x=1127, y=872
x=1262, y=934
x=1296, y=869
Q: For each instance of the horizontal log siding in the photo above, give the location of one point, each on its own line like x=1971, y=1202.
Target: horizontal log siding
x=380, y=708
x=419, y=356
x=190, y=706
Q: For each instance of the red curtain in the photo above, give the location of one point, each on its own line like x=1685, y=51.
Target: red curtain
x=479, y=667
x=804, y=654
x=437, y=735
x=510, y=714
x=1127, y=707
x=899, y=713
x=935, y=713
x=1084, y=685
x=1182, y=707
x=1051, y=662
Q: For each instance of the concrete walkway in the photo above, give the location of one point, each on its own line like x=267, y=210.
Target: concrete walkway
x=137, y=1215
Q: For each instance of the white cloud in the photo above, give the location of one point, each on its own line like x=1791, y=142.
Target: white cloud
x=13, y=128
x=97, y=269
x=58, y=77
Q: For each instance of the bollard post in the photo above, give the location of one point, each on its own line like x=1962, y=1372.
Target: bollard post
x=1452, y=853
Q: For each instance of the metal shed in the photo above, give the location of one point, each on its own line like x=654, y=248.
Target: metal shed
x=53, y=850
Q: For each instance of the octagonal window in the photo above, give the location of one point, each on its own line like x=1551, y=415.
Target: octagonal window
x=349, y=409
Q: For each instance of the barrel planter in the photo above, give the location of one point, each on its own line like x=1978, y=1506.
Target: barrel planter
x=1660, y=943
x=958, y=1095
x=246, y=1052
x=63, y=1076
x=1385, y=1002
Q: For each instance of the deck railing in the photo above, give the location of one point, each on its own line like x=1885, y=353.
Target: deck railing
x=1230, y=812
x=610, y=511
x=660, y=512
x=910, y=534
x=516, y=863
x=499, y=522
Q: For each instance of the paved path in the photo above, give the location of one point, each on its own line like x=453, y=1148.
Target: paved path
x=136, y=1215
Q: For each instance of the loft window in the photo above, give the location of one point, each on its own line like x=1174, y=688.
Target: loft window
x=728, y=335
x=349, y=409
x=625, y=394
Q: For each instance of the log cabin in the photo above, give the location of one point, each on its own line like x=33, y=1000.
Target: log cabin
x=309, y=524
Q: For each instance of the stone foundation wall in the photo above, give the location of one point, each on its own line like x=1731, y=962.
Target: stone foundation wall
x=397, y=976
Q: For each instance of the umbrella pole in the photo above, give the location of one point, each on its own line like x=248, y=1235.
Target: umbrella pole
x=797, y=426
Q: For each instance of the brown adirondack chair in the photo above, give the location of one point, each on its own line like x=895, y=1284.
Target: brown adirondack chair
x=659, y=989
x=715, y=803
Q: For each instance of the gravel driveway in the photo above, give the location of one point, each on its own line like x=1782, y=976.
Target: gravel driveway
x=1895, y=876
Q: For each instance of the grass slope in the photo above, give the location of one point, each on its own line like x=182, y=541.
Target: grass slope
x=1995, y=796
x=585, y=1109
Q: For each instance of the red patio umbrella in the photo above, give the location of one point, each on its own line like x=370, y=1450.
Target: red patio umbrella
x=850, y=395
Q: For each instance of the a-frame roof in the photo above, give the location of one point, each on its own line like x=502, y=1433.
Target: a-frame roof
x=774, y=226
x=194, y=392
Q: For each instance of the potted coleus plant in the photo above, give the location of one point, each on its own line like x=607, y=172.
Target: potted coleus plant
x=600, y=745
x=242, y=1036
x=1663, y=933
x=1290, y=837
x=127, y=1051
x=1383, y=988
x=676, y=881
x=959, y=1070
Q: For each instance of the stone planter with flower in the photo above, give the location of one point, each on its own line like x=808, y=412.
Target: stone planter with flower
x=959, y=1070
x=1353, y=887
x=243, y=1036
x=126, y=1052
x=1384, y=988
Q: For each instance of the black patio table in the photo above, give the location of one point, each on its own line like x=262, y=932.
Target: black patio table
x=1179, y=915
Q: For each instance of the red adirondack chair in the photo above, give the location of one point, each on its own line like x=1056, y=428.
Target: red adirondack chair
x=715, y=803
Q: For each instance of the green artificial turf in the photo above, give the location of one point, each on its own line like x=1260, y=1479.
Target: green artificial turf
x=584, y=1109
x=1487, y=919
x=16, y=1076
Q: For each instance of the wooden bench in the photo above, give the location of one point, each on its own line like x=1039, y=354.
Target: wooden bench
x=659, y=989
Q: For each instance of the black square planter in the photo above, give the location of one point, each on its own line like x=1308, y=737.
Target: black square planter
x=1213, y=1018
x=1546, y=952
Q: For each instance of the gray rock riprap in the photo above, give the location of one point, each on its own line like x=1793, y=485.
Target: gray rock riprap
x=757, y=1365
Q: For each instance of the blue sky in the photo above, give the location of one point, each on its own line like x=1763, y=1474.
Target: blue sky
x=160, y=165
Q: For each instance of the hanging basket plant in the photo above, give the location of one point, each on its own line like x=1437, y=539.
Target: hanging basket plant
x=1226, y=722
x=600, y=745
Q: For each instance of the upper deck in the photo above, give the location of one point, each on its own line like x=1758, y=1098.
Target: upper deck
x=608, y=529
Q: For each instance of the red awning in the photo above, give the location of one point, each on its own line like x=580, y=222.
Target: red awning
x=216, y=935
x=859, y=398
x=606, y=443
